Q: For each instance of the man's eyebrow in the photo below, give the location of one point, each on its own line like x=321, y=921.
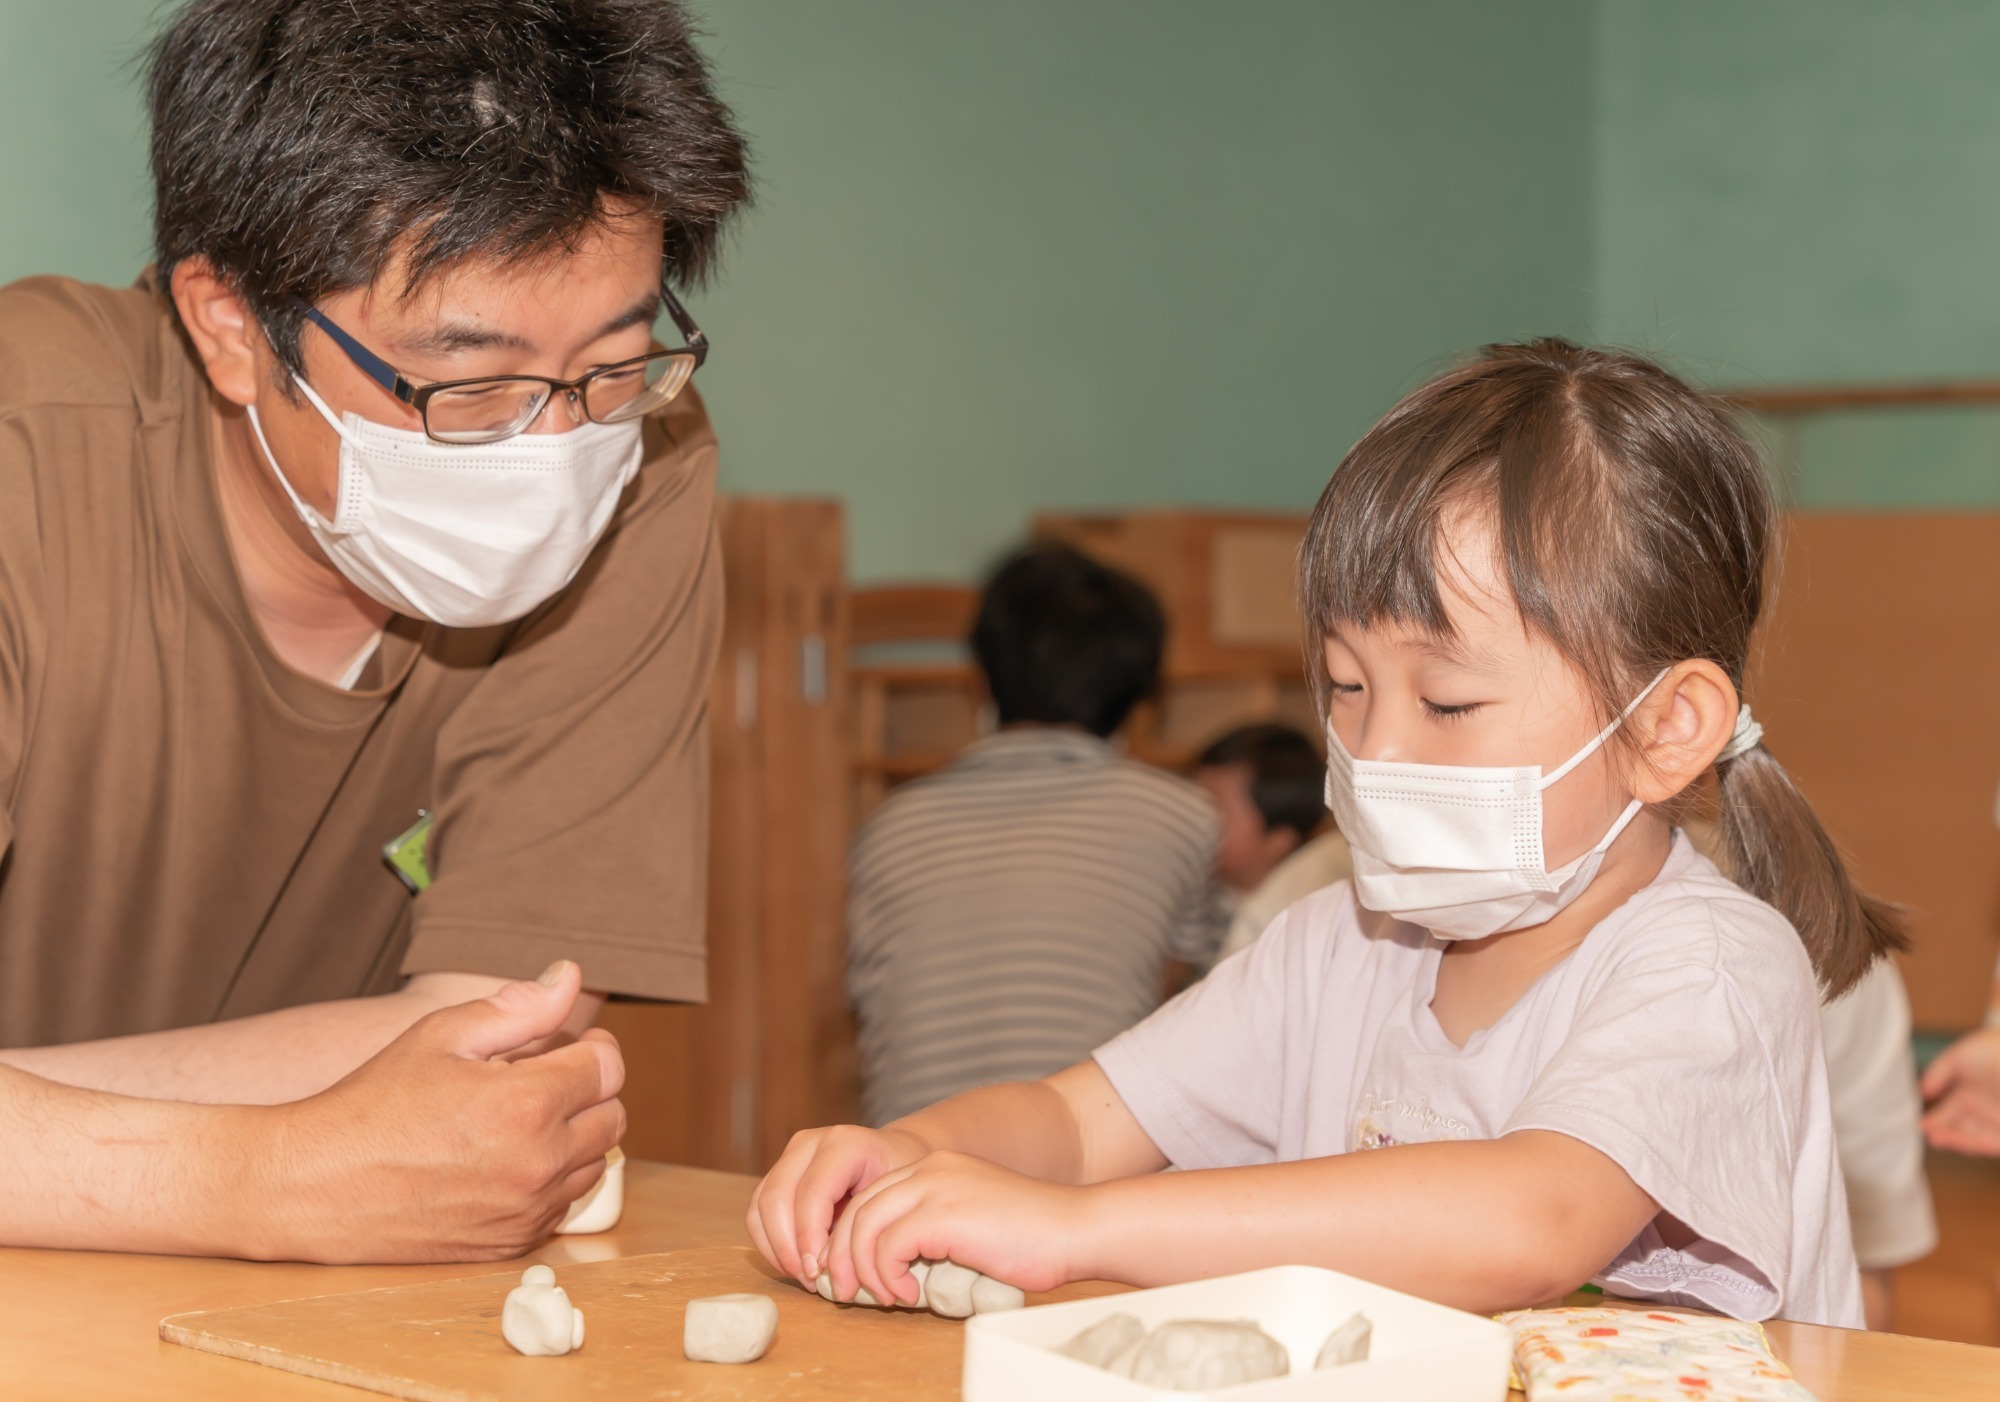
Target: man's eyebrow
x=451, y=337
x=643, y=312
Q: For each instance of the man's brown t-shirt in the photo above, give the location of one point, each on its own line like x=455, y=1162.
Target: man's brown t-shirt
x=190, y=830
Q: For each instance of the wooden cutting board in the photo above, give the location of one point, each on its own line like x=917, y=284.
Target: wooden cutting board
x=440, y=1342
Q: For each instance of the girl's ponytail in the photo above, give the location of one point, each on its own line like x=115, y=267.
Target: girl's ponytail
x=1772, y=845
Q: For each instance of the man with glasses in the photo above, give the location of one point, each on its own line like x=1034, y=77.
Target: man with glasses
x=358, y=600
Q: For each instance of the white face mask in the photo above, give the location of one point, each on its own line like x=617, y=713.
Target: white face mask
x=465, y=535
x=1458, y=849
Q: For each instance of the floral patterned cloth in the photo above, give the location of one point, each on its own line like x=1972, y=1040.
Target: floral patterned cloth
x=1629, y=1355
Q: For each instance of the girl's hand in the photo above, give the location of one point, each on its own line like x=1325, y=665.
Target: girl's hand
x=792, y=1211
x=1016, y=1229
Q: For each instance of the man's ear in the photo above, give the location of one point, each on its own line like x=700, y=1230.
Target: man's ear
x=1680, y=729
x=219, y=323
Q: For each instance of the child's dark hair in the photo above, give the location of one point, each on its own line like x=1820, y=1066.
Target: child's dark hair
x=1635, y=528
x=1064, y=640
x=1287, y=774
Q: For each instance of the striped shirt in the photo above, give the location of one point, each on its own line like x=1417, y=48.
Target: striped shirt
x=1013, y=912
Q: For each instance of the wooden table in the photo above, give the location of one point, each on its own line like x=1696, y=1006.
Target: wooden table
x=78, y=1324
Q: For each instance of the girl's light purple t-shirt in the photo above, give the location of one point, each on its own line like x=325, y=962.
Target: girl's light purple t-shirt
x=1682, y=1039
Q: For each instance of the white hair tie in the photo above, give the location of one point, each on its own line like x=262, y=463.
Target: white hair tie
x=1747, y=736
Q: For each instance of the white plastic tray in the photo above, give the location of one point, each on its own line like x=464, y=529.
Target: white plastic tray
x=1420, y=1350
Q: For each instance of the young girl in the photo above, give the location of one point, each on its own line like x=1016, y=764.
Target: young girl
x=1571, y=1047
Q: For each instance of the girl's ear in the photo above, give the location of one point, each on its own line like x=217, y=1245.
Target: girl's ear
x=1680, y=729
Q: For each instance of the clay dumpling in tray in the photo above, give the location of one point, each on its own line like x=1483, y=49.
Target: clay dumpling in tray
x=1413, y=1348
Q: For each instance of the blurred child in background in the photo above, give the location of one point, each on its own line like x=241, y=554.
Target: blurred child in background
x=1035, y=898
x=1269, y=783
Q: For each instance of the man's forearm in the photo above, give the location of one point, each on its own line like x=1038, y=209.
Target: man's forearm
x=89, y=1170
x=269, y=1059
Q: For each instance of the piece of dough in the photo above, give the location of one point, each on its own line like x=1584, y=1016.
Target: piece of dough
x=1193, y=1355
x=949, y=1289
x=862, y=1295
x=1346, y=1344
x=729, y=1328
x=1107, y=1341
x=538, y=1319
x=990, y=1296
x=944, y=1287
x=599, y=1209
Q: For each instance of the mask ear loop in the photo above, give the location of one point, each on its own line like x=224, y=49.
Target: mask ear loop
x=1605, y=734
x=306, y=513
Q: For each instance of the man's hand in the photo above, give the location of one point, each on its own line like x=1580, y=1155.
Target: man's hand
x=1963, y=1089
x=275, y=1057
x=440, y=1148
x=793, y=1210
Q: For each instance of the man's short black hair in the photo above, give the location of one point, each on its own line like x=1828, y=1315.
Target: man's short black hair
x=1064, y=640
x=1287, y=774
x=299, y=144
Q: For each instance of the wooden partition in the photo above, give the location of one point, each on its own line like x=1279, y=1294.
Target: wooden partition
x=724, y=1085
x=1878, y=683
x=1226, y=582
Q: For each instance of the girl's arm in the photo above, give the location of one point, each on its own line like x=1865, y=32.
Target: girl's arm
x=1482, y=1225
x=1070, y=1129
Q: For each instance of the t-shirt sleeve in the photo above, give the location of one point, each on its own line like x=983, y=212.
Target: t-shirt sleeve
x=1664, y=1051
x=1203, y=1075
x=572, y=784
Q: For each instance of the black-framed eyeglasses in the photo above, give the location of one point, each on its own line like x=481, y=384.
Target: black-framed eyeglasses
x=493, y=407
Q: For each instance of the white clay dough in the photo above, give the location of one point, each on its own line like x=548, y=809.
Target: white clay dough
x=990, y=1296
x=944, y=1287
x=949, y=1289
x=538, y=1319
x=862, y=1295
x=1107, y=1341
x=1347, y=1344
x=1194, y=1355
x=599, y=1209
x=729, y=1328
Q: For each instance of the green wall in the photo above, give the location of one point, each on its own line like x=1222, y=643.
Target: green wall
x=1051, y=253
x=1071, y=253
x=1809, y=191
x=73, y=185
x=1057, y=254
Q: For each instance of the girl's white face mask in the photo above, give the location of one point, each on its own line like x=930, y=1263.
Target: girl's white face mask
x=1458, y=849
x=465, y=535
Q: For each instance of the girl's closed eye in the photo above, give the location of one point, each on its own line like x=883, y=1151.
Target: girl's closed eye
x=1343, y=688
x=1441, y=711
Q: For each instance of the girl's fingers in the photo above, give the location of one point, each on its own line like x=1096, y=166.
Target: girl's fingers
x=775, y=1204
x=868, y=1219
x=753, y=1222
x=902, y=1241
x=836, y=1170
x=850, y=1272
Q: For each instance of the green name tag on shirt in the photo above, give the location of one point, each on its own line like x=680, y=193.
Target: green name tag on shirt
x=405, y=855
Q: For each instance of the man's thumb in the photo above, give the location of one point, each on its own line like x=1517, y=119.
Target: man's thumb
x=512, y=1016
